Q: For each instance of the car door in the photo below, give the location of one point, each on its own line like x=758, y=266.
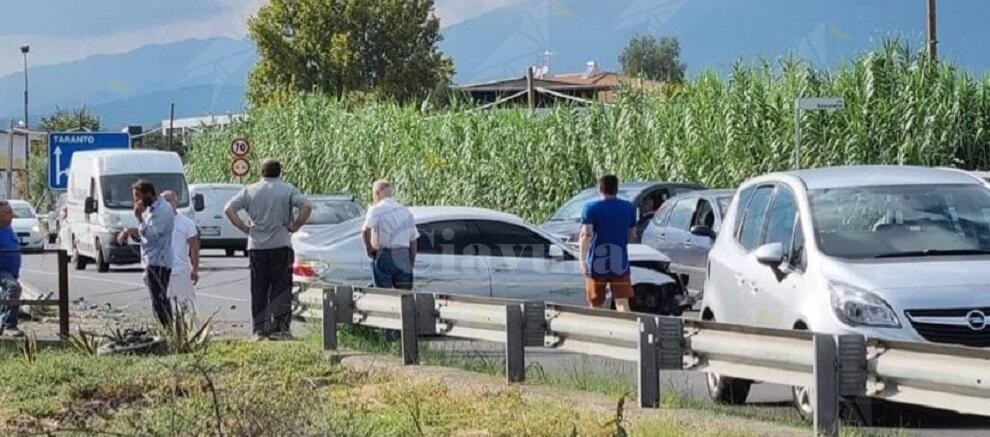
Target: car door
x=696, y=247
x=211, y=222
x=740, y=268
x=776, y=287
x=448, y=261
x=522, y=267
x=675, y=238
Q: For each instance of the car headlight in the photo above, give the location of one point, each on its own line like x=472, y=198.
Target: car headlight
x=857, y=307
x=110, y=220
x=36, y=228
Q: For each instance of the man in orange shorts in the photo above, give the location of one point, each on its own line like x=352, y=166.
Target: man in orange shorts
x=607, y=226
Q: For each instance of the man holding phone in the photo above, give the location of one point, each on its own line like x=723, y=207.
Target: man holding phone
x=155, y=234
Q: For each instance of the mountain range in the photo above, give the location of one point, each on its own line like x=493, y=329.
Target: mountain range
x=209, y=76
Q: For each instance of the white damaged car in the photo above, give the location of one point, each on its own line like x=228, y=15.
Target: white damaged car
x=480, y=252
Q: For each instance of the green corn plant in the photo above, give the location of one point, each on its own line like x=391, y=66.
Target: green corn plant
x=716, y=129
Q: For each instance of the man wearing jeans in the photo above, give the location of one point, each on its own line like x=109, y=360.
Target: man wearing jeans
x=155, y=234
x=390, y=238
x=10, y=269
x=269, y=204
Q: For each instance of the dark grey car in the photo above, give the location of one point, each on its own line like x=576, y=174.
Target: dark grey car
x=684, y=229
x=566, y=222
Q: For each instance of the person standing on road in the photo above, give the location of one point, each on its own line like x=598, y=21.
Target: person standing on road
x=155, y=234
x=185, y=259
x=607, y=226
x=10, y=272
x=389, y=236
x=269, y=205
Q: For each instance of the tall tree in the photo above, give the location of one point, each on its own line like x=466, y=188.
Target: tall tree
x=388, y=47
x=653, y=58
x=63, y=120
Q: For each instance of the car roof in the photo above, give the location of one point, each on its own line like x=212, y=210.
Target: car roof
x=644, y=185
x=441, y=213
x=332, y=196
x=722, y=192
x=877, y=175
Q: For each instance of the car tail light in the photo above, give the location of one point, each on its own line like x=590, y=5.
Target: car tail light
x=304, y=269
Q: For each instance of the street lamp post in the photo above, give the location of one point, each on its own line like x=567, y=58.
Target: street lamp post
x=27, y=125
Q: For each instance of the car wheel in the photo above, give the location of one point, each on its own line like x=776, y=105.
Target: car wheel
x=102, y=265
x=727, y=390
x=78, y=261
x=801, y=397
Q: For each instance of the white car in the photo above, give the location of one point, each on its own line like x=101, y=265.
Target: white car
x=215, y=231
x=480, y=252
x=887, y=252
x=27, y=226
x=984, y=176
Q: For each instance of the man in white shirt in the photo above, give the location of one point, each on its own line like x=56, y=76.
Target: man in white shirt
x=390, y=238
x=185, y=260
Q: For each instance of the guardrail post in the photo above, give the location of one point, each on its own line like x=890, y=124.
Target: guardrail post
x=344, y=304
x=671, y=343
x=426, y=314
x=852, y=365
x=826, y=390
x=63, y=293
x=329, y=319
x=534, y=313
x=649, y=376
x=515, y=343
x=410, y=340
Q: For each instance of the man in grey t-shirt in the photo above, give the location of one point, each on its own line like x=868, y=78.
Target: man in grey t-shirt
x=269, y=204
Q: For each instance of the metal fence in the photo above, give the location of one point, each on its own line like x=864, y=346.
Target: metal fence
x=62, y=301
x=947, y=377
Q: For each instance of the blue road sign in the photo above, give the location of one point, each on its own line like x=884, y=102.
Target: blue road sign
x=61, y=146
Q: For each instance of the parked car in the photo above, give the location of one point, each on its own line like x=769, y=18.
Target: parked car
x=215, y=231
x=887, y=252
x=984, y=176
x=565, y=224
x=479, y=252
x=100, y=204
x=27, y=226
x=684, y=230
x=56, y=216
x=329, y=211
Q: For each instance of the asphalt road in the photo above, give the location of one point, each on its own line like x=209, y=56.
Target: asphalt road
x=224, y=289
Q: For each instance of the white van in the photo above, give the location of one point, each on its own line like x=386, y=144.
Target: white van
x=98, y=203
x=215, y=231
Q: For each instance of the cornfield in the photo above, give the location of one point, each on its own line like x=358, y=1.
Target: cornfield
x=715, y=129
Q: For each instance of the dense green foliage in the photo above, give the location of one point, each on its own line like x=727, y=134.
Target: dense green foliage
x=716, y=130
x=386, y=47
x=653, y=58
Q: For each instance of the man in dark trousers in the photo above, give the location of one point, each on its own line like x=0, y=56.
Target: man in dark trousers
x=10, y=270
x=155, y=234
x=607, y=226
x=269, y=205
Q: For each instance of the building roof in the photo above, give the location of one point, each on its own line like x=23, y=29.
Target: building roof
x=602, y=81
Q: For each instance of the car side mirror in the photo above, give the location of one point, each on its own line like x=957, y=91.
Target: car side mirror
x=90, y=205
x=199, y=203
x=703, y=231
x=555, y=252
x=771, y=255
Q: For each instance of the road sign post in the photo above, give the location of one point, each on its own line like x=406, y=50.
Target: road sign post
x=62, y=145
x=810, y=104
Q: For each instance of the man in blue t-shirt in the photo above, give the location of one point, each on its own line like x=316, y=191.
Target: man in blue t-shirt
x=10, y=271
x=607, y=226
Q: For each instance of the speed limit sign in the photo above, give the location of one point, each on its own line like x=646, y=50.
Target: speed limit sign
x=240, y=147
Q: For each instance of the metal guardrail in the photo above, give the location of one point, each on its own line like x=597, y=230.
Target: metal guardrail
x=62, y=302
x=947, y=377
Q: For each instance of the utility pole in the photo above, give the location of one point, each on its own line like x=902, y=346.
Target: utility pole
x=932, y=34
x=171, y=125
x=530, y=92
x=27, y=124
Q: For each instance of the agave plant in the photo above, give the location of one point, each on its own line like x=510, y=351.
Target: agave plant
x=184, y=334
x=83, y=342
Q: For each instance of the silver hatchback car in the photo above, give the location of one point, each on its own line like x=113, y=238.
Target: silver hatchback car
x=888, y=252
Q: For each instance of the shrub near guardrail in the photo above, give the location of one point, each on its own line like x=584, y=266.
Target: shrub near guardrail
x=715, y=130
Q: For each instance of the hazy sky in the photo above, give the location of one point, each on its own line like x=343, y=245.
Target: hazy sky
x=66, y=30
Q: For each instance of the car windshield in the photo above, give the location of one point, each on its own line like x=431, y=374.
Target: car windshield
x=571, y=211
x=117, y=188
x=333, y=211
x=895, y=221
x=22, y=211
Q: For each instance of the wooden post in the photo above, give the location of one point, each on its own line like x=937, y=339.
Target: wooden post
x=826, y=389
x=63, y=293
x=515, y=343
x=410, y=339
x=932, y=34
x=530, y=91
